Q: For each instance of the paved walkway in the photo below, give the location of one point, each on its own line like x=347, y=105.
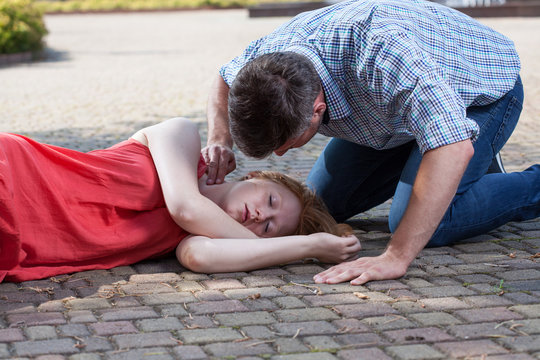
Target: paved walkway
x=109, y=75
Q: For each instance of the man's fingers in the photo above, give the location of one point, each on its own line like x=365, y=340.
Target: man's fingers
x=221, y=172
x=220, y=161
x=362, y=279
x=342, y=276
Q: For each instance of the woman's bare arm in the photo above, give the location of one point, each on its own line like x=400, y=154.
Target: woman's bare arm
x=202, y=254
x=175, y=146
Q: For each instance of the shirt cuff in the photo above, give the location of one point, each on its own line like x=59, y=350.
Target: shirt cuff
x=446, y=131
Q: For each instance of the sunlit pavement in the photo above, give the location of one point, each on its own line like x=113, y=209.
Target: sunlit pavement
x=105, y=76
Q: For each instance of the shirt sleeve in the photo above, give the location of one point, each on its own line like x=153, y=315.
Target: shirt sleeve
x=406, y=84
x=229, y=71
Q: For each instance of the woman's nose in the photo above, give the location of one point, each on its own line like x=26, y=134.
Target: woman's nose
x=259, y=216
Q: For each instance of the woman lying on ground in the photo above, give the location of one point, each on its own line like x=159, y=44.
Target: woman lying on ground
x=63, y=211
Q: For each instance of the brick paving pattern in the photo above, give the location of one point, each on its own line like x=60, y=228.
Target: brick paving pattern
x=106, y=76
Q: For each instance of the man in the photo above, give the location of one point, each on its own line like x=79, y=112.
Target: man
x=418, y=98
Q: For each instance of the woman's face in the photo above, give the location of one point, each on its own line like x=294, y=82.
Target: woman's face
x=264, y=207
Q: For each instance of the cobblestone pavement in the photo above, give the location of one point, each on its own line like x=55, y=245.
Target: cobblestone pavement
x=108, y=75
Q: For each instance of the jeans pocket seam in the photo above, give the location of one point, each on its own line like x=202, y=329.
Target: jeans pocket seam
x=502, y=126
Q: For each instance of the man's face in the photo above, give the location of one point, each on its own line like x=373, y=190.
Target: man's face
x=302, y=139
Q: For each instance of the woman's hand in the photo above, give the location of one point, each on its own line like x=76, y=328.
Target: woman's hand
x=333, y=249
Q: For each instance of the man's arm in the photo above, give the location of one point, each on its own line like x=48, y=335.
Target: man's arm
x=438, y=177
x=218, y=152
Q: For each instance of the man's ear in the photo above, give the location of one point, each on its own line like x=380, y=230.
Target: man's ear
x=319, y=106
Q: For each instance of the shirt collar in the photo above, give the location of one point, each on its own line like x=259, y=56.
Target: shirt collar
x=336, y=105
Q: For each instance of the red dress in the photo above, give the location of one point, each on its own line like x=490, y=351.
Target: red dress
x=64, y=211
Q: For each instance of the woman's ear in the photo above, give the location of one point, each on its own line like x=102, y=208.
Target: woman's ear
x=251, y=175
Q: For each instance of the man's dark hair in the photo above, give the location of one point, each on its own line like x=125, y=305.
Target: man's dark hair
x=271, y=101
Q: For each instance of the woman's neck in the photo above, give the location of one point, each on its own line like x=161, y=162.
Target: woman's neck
x=215, y=192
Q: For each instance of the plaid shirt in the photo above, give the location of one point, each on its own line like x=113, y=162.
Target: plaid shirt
x=396, y=70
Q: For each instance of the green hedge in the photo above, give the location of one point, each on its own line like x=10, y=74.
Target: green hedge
x=21, y=27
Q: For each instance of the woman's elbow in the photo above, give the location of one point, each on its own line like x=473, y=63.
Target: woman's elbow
x=193, y=255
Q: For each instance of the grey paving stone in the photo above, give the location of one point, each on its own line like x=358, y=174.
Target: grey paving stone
x=480, y=330
x=332, y=299
x=169, y=323
x=199, y=322
x=201, y=336
x=243, y=319
x=87, y=304
x=81, y=316
x=486, y=300
x=93, y=344
x=10, y=335
x=237, y=349
x=435, y=318
x=43, y=347
x=409, y=352
x=210, y=295
x=211, y=307
x=260, y=304
x=487, y=314
x=363, y=354
x=262, y=281
x=296, y=315
x=444, y=303
x=349, y=326
x=307, y=356
x=32, y=319
x=85, y=357
x=321, y=343
x=444, y=291
x=388, y=322
x=172, y=310
x=167, y=298
x=113, y=328
x=361, y=340
x=258, y=332
x=40, y=332
x=73, y=330
x=289, y=302
x=365, y=310
x=154, y=353
x=289, y=345
x=158, y=338
x=529, y=326
x=523, y=343
x=189, y=352
x=250, y=293
x=304, y=328
x=471, y=348
x=411, y=336
x=4, y=351
x=141, y=312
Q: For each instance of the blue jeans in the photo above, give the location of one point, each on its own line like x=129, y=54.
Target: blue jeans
x=351, y=178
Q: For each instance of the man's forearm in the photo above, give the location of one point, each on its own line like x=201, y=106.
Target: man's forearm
x=218, y=119
x=437, y=180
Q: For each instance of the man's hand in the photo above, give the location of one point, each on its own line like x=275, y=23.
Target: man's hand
x=220, y=160
x=360, y=271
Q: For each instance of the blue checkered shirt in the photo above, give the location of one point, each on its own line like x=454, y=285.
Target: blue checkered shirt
x=396, y=70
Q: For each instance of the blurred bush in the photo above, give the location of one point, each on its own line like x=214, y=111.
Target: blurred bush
x=21, y=27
